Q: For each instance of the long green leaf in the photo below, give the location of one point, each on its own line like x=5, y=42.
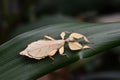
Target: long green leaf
x=16, y=67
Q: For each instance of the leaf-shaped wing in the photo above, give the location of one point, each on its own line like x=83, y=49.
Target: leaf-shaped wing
x=74, y=45
x=78, y=36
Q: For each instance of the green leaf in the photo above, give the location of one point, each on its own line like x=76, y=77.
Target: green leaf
x=16, y=67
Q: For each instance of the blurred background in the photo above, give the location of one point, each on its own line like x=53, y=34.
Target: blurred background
x=19, y=16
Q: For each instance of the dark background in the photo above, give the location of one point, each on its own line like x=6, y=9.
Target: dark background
x=16, y=15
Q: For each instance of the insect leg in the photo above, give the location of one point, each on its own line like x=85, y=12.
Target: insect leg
x=75, y=45
x=52, y=53
x=61, y=51
x=85, y=38
x=62, y=35
x=48, y=37
x=51, y=58
x=78, y=36
x=86, y=47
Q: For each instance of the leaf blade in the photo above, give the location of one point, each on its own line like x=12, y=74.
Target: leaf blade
x=17, y=67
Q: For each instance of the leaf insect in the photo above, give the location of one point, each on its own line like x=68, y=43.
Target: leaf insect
x=43, y=48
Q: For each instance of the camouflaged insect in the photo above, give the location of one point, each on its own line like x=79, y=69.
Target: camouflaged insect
x=43, y=48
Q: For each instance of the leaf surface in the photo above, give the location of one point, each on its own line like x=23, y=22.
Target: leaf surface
x=16, y=67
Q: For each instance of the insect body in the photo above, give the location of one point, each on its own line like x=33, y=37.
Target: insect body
x=43, y=48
